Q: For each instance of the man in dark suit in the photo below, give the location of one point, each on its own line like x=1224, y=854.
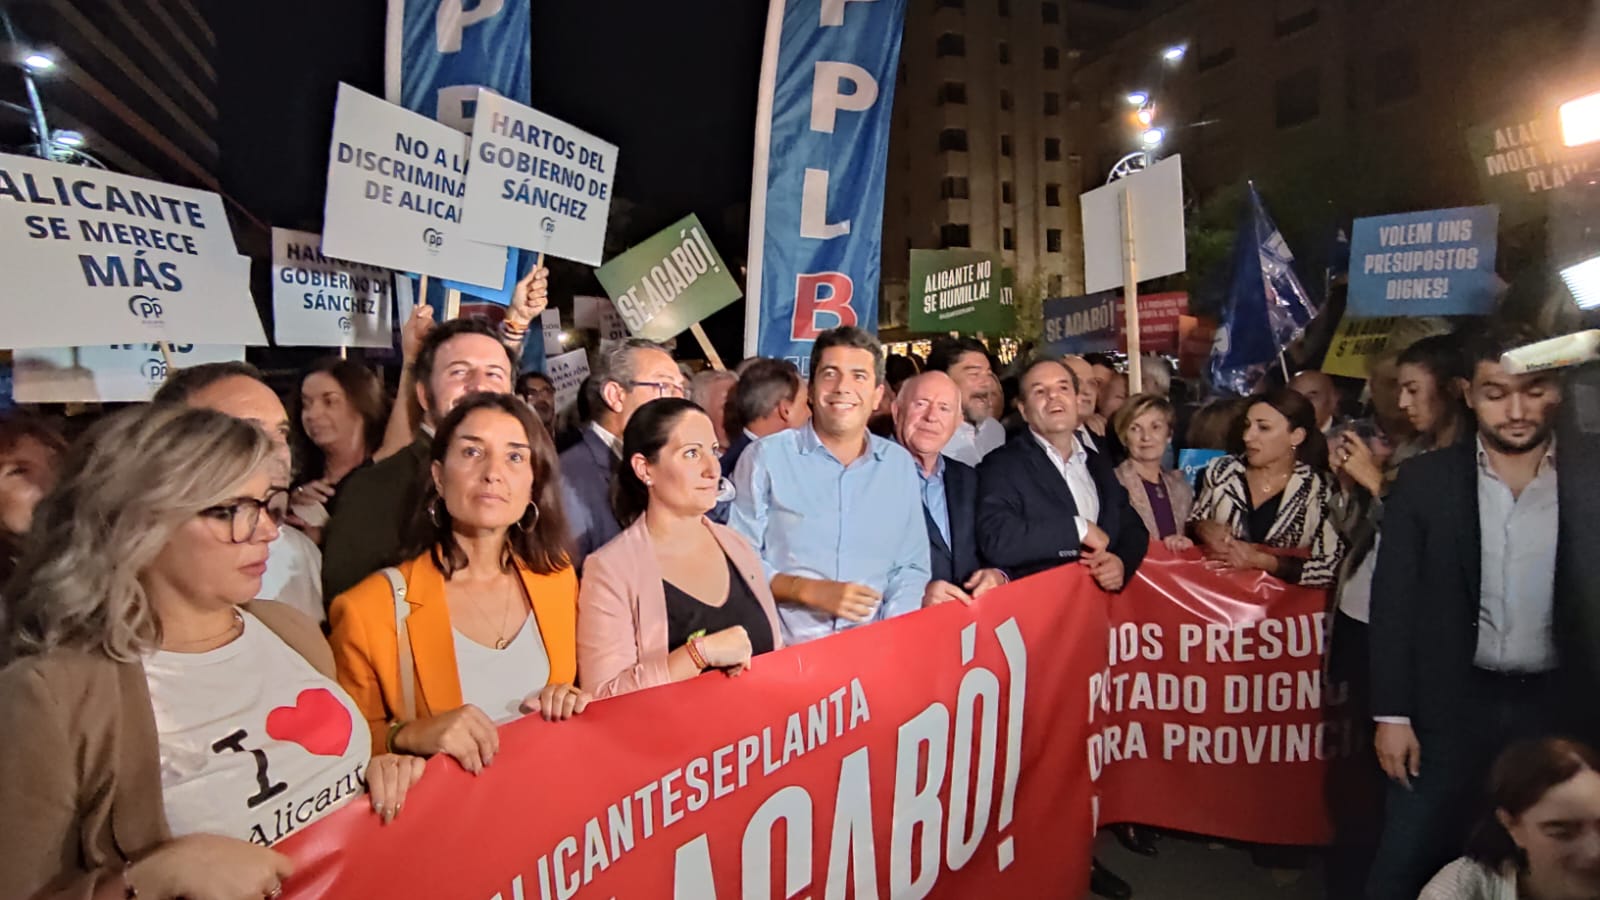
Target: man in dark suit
x=628, y=376
x=769, y=397
x=1043, y=500
x=926, y=413
x=1464, y=649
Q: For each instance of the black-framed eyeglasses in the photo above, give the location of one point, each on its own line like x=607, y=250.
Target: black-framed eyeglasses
x=244, y=514
x=663, y=388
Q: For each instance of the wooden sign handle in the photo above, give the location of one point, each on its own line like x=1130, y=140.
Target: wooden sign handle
x=705, y=345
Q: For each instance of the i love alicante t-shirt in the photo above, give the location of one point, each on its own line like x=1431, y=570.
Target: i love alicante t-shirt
x=255, y=743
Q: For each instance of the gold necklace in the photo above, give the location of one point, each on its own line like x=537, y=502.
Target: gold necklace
x=236, y=624
x=502, y=638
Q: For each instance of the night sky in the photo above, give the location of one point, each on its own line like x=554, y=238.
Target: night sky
x=672, y=84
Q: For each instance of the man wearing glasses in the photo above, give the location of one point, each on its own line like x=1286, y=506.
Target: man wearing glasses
x=628, y=376
x=294, y=564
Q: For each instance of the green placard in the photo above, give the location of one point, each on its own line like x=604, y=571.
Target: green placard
x=958, y=290
x=671, y=281
x=1521, y=162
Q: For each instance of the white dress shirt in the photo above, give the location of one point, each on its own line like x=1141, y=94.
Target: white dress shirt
x=611, y=440
x=1074, y=471
x=972, y=443
x=1516, y=600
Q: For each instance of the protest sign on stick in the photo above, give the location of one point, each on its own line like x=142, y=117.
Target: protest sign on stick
x=669, y=284
x=567, y=372
x=116, y=259
x=1434, y=263
x=1132, y=230
x=322, y=302
x=395, y=186
x=958, y=291
x=537, y=182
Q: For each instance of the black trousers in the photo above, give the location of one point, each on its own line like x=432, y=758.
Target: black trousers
x=1425, y=827
x=1356, y=784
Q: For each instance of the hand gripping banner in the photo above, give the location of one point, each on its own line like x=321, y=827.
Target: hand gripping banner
x=949, y=753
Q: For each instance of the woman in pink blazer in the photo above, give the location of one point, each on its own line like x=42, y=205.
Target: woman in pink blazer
x=674, y=594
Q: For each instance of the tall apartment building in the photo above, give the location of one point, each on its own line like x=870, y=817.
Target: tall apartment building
x=136, y=78
x=980, y=151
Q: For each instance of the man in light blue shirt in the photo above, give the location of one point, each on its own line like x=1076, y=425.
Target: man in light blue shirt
x=835, y=512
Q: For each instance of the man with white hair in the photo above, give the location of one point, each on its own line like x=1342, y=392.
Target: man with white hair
x=926, y=413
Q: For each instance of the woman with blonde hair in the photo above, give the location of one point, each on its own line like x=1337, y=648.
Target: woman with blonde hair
x=1161, y=497
x=162, y=730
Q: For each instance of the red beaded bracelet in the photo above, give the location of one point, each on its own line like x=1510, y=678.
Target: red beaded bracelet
x=695, y=654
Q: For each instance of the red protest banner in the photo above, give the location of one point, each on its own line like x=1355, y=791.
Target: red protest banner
x=1158, y=321
x=950, y=753
x=1213, y=716
x=938, y=753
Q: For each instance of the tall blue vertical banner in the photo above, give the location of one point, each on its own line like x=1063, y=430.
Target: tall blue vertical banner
x=439, y=53
x=822, y=146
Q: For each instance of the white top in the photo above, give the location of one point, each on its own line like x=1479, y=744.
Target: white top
x=496, y=681
x=1355, y=597
x=1075, y=471
x=255, y=743
x=1467, y=879
x=294, y=573
x=972, y=443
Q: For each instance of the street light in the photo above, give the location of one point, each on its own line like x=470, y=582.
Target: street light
x=1580, y=121
x=38, y=62
x=1138, y=98
x=1154, y=136
x=66, y=138
x=1146, y=115
x=1175, y=53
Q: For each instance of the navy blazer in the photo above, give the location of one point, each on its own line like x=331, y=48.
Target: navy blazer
x=587, y=468
x=735, y=449
x=957, y=561
x=1026, y=511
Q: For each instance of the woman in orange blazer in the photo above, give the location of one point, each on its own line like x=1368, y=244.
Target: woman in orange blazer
x=488, y=608
x=674, y=594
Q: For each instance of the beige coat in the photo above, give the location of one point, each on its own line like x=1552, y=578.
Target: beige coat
x=80, y=780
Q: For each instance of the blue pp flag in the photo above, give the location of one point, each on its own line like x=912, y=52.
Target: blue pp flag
x=1266, y=307
x=822, y=146
x=440, y=52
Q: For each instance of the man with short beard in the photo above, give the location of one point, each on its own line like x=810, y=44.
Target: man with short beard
x=1465, y=652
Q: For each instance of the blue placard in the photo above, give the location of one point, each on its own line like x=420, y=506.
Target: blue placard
x=1434, y=263
x=822, y=147
x=1192, y=462
x=1085, y=324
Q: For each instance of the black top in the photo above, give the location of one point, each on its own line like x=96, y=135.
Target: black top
x=1258, y=522
x=686, y=615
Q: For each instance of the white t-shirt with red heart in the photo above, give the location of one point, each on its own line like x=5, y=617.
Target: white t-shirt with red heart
x=255, y=743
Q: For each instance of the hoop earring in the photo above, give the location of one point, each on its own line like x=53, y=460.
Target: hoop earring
x=528, y=526
x=434, y=515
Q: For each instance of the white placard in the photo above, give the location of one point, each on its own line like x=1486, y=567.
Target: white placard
x=395, y=183
x=600, y=314
x=1157, y=226
x=322, y=302
x=537, y=182
x=567, y=372
x=129, y=373
x=551, y=320
x=92, y=257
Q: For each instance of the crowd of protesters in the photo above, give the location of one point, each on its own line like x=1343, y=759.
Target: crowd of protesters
x=183, y=570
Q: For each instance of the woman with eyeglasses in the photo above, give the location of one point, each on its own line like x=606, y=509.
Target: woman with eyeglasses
x=477, y=628
x=675, y=594
x=163, y=731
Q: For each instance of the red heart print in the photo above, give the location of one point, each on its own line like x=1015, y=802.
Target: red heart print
x=317, y=721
